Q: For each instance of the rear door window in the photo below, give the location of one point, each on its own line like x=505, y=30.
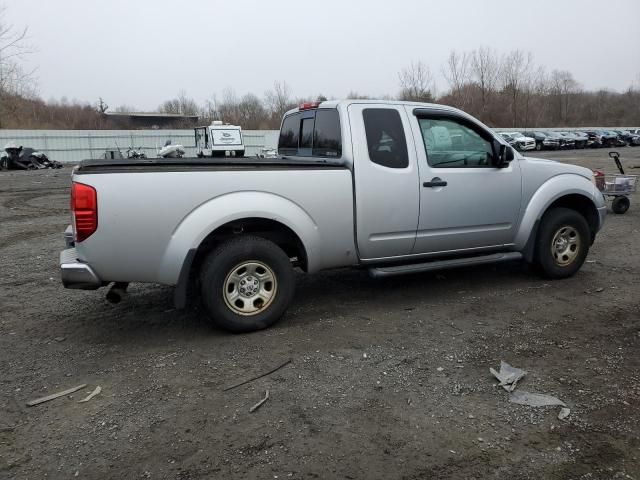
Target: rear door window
x=314, y=133
x=327, y=141
x=386, y=142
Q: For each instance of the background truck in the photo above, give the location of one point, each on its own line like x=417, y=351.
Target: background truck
x=393, y=187
x=217, y=139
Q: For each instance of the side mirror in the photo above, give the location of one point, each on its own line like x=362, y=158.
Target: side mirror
x=502, y=154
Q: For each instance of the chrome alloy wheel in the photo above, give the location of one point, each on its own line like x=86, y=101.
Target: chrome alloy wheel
x=565, y=245
x=250, y=288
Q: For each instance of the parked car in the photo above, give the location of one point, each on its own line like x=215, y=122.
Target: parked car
x=544, y=141
x=394, y=187
x=594, y=139
x=628, y=137
x=565, y=142
x=510, y=140
x=608, y=139
x=580, y=141
x=521, y=142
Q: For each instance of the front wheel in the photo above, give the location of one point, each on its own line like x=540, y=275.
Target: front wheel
x=562, y=243
x=247, y=284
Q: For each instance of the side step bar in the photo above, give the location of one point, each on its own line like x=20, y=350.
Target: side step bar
x=379, y=272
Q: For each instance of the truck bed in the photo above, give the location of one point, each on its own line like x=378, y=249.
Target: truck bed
x=208, y=164
x=152, y=212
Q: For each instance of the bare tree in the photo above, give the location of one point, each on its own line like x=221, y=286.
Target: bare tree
x=515, y=72
x=563, y=86
x=15, y=81
x=102, y=106
x=353, y=95
x=278, y=100
x=182, y=105
x=457, y=71
x=485, y=69
x=125, y=108
x=416, y=83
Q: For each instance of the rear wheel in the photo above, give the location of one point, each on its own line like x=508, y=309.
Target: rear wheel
x=562, y=243
x=538, y=146
x=620, y=205
x=247, y=284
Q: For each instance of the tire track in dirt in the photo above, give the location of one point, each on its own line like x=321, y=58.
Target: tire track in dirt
x=30, y=235
x=20, y=202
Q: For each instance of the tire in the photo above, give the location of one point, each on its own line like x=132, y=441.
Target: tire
x=538, y=146
x=562, y=229
x=620, y=205
x=267, y=271
x=239, y=153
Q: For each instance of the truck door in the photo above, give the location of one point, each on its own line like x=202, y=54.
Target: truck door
x=386, y=181
x=466, y=203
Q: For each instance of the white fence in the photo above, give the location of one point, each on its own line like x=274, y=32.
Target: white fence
x=76, y=145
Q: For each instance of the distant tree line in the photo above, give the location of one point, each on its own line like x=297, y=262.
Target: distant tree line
x=502, y=90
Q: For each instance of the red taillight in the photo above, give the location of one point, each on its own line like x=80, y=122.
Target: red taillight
x=308, y=105
x=84, y=208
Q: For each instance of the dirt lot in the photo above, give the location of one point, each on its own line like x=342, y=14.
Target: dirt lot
x=389, y=379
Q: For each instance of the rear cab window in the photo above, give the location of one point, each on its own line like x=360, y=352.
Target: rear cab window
x=311, y=133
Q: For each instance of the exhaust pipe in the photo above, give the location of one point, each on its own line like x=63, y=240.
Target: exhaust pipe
x=117, y=292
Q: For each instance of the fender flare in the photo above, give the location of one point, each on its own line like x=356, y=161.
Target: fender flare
x=216, y=212
x=548, y=193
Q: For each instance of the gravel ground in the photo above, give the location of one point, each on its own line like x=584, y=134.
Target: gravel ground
x=388, y=379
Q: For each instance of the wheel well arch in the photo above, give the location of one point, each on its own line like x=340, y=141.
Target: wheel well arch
x=269, y=229
x=581, y=204
x=575, y=201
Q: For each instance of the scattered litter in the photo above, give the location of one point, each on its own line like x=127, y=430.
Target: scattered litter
x=534, y=399
x=564, y=413
x=440, y=369
x=53, y=396
x=591, y=261
x=364, y=355
x=259, y=404
x=257, y=377
x=97, y=390
x=599, y=289
x=460, y=331
x=60, y=339
x=509, y=376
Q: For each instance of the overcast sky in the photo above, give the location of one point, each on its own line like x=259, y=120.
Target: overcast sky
x=141, y=52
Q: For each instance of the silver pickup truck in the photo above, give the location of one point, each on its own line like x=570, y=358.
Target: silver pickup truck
x=394, y=187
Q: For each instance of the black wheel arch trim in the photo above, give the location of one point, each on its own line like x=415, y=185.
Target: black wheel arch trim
x=181, y=289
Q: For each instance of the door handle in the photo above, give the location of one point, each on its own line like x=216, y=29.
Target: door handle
x=435, y=182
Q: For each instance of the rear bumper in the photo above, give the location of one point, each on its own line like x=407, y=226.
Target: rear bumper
x=76, y=274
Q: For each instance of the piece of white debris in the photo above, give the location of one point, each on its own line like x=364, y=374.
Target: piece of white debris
x=534, y=399
x=564, y=413
x=95, y=392
x=364, y=355
x=509, y=376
